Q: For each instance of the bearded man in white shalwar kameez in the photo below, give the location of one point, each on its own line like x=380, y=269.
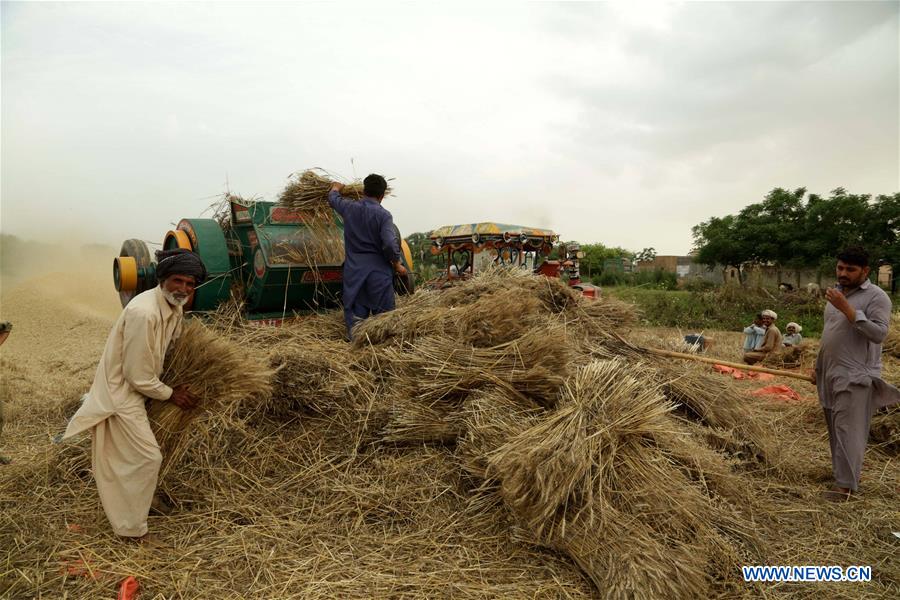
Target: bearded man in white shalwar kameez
x=124, y=453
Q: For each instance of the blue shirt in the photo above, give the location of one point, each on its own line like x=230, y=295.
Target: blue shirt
x=755, y=335
x=370, y=242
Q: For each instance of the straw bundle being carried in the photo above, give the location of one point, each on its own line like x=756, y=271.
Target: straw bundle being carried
x=309, y=190
x=226, y=380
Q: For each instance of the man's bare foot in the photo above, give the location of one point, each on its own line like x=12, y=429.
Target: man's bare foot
x=837, y=494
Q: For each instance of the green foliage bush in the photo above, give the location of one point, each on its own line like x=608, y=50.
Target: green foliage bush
x=610, y=278
x=697, y=284
x=728, y=308
x=657, y=279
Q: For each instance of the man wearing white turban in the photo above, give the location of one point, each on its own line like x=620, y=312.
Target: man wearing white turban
x=793, y=337
x=770, y=342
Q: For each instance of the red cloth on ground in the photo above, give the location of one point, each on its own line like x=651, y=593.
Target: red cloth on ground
x=741, y=374
x=128, y=590
x=782, y=392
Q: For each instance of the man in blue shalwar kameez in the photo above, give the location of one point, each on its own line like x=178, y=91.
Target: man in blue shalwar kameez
x=371, y=249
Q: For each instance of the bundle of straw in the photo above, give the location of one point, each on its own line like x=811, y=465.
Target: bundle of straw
x=418, y=315
x=492, y=417
x=596, y=480
x=443, y=369
x=710, y=400
x=316, y=373
x=309, y=190
x=885, y=430
x=493, y=308
x=790, y=357
x=226, y=380
x=412, y=422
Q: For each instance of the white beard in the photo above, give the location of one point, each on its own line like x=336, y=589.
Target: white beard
x=173, y=300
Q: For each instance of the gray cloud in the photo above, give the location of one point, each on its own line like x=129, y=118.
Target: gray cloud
x=606, y=122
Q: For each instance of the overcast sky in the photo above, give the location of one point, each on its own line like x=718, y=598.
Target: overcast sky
x=605, y=122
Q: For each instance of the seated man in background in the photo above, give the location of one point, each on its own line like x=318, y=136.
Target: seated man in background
x=793, y=337
x=770, y=342
x=754, y=333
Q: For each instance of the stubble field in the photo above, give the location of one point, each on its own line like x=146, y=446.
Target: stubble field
x=376, y=520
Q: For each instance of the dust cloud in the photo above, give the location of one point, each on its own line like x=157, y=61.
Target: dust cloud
x=60, y=299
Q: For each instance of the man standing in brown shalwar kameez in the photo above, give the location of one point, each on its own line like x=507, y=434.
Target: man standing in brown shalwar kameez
x=848, y=367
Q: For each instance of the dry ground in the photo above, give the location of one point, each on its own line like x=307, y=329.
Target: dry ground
x=60, y=326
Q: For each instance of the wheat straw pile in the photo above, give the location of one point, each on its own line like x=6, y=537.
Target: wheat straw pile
x=789, y=357
x=493, y=440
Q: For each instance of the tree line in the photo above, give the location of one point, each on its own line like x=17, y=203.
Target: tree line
x=797, y=230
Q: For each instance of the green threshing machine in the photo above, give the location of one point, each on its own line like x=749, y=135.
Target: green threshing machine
x=279, y=261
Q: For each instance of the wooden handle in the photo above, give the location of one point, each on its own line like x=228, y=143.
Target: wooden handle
x=716, y=361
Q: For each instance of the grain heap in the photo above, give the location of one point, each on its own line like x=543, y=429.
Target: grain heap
x=495, y=439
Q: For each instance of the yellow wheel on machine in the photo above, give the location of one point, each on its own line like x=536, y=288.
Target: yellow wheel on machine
x=407, y=254
x=177, y=239
x=125, y=273
x=404, y=284
x=132, y=270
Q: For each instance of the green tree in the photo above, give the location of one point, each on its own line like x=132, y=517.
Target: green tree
x=718, y=241
x=595, y=257
x=425, y=263
x=793, y=230
x=645, y=255
x=882, y=229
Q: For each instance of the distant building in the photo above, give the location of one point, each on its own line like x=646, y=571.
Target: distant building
x=617, y=265
x=684, y=267
x=885, y=276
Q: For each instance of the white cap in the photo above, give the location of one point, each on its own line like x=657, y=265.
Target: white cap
x=769, y=313
x=794, y=325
